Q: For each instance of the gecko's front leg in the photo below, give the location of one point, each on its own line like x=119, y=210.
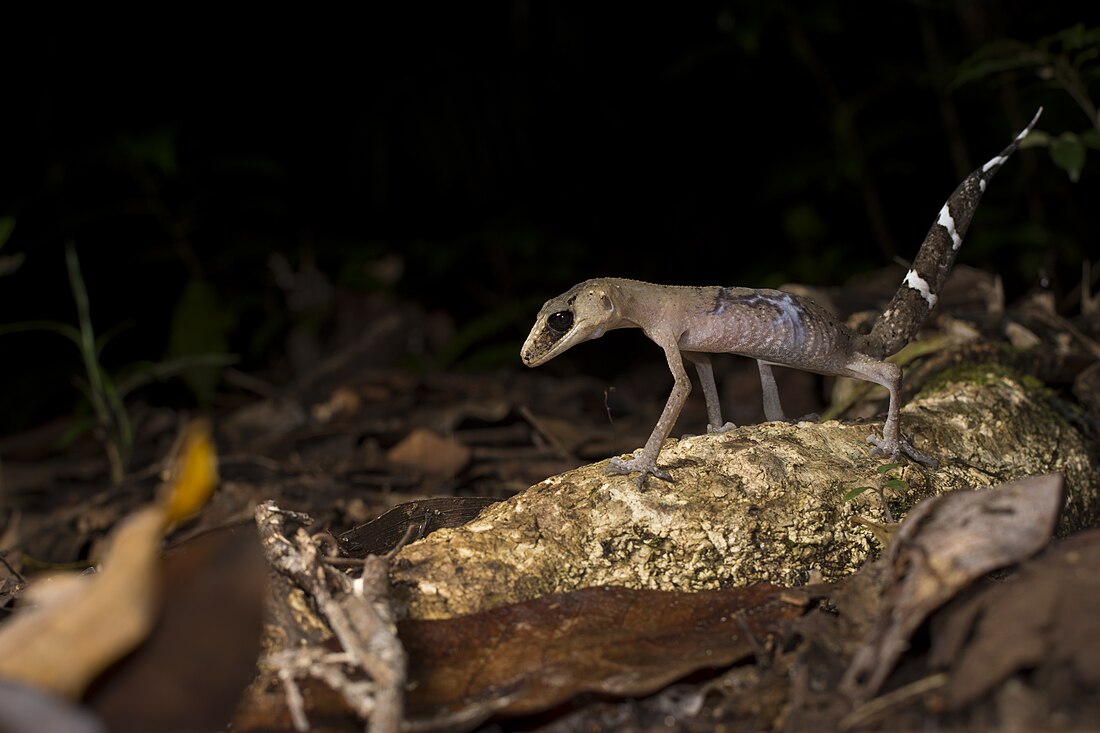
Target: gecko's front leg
x=638, y=464
x=645, y=460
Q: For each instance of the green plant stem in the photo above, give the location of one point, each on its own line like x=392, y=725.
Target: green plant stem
x=109, y=410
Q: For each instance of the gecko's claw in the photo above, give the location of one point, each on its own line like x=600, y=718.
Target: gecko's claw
x=893, y=448
x=619, y=466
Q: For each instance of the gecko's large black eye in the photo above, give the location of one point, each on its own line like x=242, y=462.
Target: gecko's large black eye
x=561, y=321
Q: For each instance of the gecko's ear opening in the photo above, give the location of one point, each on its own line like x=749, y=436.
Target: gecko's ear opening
x=605, y=301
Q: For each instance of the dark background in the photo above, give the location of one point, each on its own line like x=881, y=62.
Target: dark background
x=477, y=158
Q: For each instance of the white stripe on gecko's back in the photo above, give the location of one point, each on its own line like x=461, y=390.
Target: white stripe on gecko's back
x=772, y=325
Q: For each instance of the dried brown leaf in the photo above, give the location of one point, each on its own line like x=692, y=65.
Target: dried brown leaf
x=944, y=545
x=531, y=656
x=61, y=646
x=89, y=621
x=1042, y=620
x=203, y=647
x=409, y=522
x=425, y=451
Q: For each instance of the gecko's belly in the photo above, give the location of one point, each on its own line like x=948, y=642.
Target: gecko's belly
x=772, y=326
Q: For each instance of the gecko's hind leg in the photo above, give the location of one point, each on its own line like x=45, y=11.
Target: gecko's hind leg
x=773, y=409
x=892, y=443
x=902, y=446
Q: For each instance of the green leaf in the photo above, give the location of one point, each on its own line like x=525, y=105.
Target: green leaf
x=201, y=324
x=145, y=373
x=996, y=58
x=77, y=427
x=1068, y=153
x=114, y=423
x=103, y=339
x=1077, y=36
x=853, y=493
x=86, y=340
x=887, y=467
x=1036, y=139
x=62, y=329
x=7, y=225
x=1090, y=137
x=156, y=149
x=897, y=484
x=802, y=223
x=121, y=432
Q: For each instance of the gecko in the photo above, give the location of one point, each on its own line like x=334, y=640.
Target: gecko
x=771, y=326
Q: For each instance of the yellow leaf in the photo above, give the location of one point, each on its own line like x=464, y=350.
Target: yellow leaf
x=194, y=473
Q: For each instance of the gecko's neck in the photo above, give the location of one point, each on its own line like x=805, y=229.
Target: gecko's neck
x=634, y=301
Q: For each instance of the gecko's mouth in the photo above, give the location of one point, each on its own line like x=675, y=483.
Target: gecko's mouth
x=533, y=355
x=542, y=345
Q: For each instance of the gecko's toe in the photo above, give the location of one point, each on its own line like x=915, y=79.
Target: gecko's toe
x=893, y=448
x=884, y=447
x=723, y=429
x=908, y=449
x=619, y=466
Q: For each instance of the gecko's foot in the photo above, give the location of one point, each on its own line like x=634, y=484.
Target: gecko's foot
x=711, y=430
x=893, y=448
x=809, y=417
x=636, y=464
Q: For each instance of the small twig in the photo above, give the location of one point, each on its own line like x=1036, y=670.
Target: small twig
x=359, y=613
x=405, y=539
x=294, y=702
x=327, y=542
x=6, y=564
x=248, y=382
x=878, y=708
x=541, y=429
x=758, y=649
x=252, y=459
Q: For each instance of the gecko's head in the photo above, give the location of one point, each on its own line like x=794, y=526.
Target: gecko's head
x=583, y=313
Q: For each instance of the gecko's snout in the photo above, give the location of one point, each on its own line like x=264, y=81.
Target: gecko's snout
x=543, y=338
x=529, y=354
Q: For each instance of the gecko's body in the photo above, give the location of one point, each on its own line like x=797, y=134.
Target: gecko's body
x=771, y=326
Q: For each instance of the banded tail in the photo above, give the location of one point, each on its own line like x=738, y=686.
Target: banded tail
x=917, y=296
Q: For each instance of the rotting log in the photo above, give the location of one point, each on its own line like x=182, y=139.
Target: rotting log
x=762, y=503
